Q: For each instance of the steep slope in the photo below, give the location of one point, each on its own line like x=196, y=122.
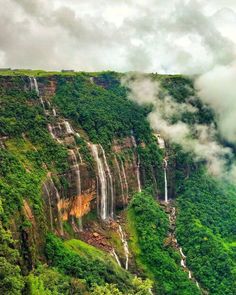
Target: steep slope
x=74, y=151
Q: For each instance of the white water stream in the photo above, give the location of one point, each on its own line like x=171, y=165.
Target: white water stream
x=78, y=185
x=125, y=245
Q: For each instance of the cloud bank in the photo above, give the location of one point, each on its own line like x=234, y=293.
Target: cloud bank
x=198, y=139
x=178, y=36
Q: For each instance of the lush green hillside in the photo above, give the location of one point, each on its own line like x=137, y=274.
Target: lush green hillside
x=43, y=252
x=206, y=229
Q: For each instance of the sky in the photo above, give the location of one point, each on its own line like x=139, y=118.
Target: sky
x=164, y=36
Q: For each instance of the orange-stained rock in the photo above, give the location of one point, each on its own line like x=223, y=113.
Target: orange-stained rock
x=28, y=212
x=76, y=206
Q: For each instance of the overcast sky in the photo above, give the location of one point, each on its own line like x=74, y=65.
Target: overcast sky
x=165, y=36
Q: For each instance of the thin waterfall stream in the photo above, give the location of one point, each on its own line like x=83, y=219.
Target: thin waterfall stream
x=78, y=185
x=125, y=245
x=165, y=165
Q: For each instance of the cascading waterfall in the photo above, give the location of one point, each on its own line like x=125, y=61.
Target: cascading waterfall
x=125, y=245
x=80, y=158
x=69, y=129
x=181, y=253
x=172, y=218
x=34, y=86
x=138, y=174
x=58, y=209
x=121, y=182
x=103, y=183
x=125, y=182
x=165, y=179
x=137, y=164
x=113, y=253
x=110, y=189
x=78, y=185
x=50, y=205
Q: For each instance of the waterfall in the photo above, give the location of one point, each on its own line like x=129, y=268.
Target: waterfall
x=54, y=112
x=58, y=209
x=110, y=189
x=78, y=184
x=137, y=164
x=34, y=86
x=69, y=129
x=182, y=263
x=50, y=129
x=181, y=253
x=80, y=158
x=103, y=183
x=160, y=141
x=165, y=179
x=50, y=205
x=125, y=245
x=172, y=218
x=121, y=182
x=138, y=175
x=113, y=253
x=125, y=182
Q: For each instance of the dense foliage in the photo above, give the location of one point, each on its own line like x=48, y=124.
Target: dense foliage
x=11, y=279
x=101, y=108
x=97, y=106
x=92, y=269
x=151, y=224
x=206, y=229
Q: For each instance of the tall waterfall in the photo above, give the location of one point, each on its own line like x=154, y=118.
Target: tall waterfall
x=50, y=206
x=120, y=180
x=125, y=182
x=138, y=174
x=34, y=86
x=137, y=164
x=125, y=245
x=103, y=183
x=78, y=184
x=106, y=191
x=110, y=183
x=57, y=195
x=165, y=179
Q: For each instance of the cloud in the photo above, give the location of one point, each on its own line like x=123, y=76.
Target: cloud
x=176, y=36
x=218, y=88
x=198, y=139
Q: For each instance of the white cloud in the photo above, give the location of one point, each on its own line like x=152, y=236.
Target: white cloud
x=166, y=36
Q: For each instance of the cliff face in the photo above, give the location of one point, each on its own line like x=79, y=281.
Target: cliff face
x=88, y=184
x=96, y=180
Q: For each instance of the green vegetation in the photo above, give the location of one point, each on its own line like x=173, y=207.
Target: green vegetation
x=97, y=105
x=11, y=279
x=103, y=111
x=206, y=229
x=89, y=266
x=151, y=225
x=100, y=272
